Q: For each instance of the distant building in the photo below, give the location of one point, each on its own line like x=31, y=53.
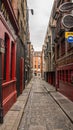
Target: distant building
x=37, y=63
x=48, y=51
x=31, y=60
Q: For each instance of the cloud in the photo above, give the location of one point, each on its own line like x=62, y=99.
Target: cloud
x=39, y=21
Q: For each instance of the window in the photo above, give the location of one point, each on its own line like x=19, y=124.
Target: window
x=66, y=75
x=38, y=66
x=18, y=16
x=5, y=57
x=72, y=76
x=12, y=49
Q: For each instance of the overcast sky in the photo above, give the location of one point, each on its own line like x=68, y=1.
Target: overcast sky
x=39, y=21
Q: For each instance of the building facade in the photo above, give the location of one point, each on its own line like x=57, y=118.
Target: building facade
x=20, y=11
x=31, y=60
x=63, y=55
x=13, y=45
x=8, y=35
x=49, y=52
x=58, y=53
x=37, y=63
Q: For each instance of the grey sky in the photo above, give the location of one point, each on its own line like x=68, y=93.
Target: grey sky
x=39, y=21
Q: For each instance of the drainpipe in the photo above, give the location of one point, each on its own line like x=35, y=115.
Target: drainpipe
x=1, y=104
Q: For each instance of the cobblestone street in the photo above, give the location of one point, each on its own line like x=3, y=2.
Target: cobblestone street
x=42, y=112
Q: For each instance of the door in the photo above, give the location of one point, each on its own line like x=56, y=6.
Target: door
x=21, y=74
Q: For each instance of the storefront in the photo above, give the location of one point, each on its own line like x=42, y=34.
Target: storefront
x=8, y=35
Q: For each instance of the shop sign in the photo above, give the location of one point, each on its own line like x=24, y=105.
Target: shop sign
x=66, y=7
x=69, y=37
x=67, y=21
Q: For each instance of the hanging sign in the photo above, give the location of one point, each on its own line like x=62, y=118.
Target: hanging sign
x=69, y=37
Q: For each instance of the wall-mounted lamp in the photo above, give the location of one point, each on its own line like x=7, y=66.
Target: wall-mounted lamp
x=32, y=11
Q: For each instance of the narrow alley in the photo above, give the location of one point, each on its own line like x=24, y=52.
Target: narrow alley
x=36, y=65
x=42, y=112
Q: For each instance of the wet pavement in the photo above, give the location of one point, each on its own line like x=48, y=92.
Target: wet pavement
x=44, y=109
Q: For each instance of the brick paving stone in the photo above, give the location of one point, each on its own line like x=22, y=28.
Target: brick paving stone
x=37, y=128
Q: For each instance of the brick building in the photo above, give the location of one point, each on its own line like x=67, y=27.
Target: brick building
x=63, y=55
x=58, y=53
x=8, y=34
x=49, y=52
x=13, y=39
x=37, y=63
x=20, y=12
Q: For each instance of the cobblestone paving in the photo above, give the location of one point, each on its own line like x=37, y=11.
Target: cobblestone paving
x=42, y=112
